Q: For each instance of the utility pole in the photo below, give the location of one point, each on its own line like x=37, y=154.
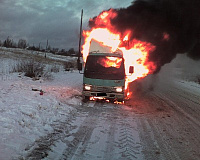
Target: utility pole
x=47, y=44
x=79, y=65
x=46, y=48
x=39, y=46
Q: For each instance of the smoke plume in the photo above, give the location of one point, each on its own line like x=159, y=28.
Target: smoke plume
x=173, y=26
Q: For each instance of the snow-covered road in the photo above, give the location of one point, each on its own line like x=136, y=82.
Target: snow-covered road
x=152, y=125
x=169, y=120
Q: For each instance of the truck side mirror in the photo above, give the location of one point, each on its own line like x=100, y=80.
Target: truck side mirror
x=80, y=66
x=131, y=69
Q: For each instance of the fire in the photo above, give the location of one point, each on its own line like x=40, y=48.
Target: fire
x=104, y=18
x=110, y=62
x=135, y=52
x=102, y=35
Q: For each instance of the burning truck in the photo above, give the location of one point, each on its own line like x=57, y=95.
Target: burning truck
x=112, y=60
x=104, y=76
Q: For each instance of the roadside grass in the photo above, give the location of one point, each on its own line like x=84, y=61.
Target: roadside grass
x=35, y=65
x=54, y=68
x=69, y=66
x=36, y=70
x=30, y=68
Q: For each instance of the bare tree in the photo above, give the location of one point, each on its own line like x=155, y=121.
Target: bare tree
x=22, y=43
x=7, y=42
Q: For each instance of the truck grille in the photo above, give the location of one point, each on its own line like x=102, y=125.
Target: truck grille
x=103, y=89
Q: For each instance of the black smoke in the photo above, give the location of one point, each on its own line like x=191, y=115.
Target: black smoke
x=151, y=20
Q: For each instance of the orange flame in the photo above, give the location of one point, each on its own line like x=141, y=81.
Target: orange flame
x=102, y=35
x=110, y=62
x=135, y=52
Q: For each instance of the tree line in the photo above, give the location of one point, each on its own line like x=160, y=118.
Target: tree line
x=22, y=43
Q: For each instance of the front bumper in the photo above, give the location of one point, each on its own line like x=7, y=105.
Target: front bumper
x=110, y=95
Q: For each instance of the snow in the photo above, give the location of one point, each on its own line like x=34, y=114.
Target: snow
x=26, y=115
x=23, y=52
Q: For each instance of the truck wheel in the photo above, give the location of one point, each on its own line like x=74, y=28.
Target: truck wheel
x=120, y=100
x=86, y=98
x=111, y=100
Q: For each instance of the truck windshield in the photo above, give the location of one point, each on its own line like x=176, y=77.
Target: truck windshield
x=104, y=67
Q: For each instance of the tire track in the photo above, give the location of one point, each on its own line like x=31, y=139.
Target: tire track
x=78, y=145
x=130, y=147
x=181, y=110
x=42, y=146
x=123, y=140
x=171, y=133
x=151, y=149
x=111, y=137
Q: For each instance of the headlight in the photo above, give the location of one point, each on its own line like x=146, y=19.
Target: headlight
x=119, y=89
x=87, y=87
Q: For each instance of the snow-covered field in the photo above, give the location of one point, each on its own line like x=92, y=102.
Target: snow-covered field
x=26, y=115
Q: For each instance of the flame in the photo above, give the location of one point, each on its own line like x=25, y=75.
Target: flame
x=104, y=19
x=102, y=35
x=125, y=38
x=102, y=98
x=110, y=62
x=135, y=52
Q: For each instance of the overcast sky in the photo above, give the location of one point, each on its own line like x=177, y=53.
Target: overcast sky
x=55, y=20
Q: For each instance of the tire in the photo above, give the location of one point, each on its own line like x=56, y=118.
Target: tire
x=120, y=100
x=86, y=98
